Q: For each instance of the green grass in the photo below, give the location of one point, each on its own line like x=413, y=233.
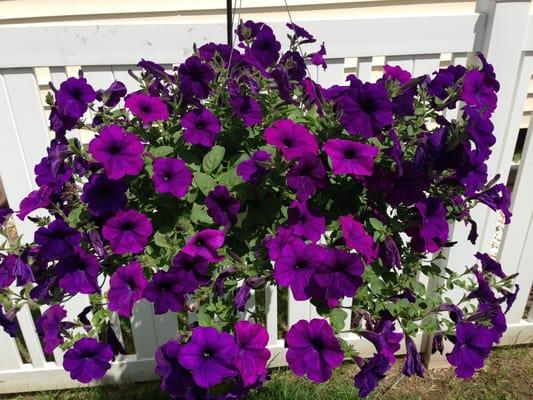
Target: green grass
x=507, y=376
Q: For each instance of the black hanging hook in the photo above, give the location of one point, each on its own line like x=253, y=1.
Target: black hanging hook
x=229, y=22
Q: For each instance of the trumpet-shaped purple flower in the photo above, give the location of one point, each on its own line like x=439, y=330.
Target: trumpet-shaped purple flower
x=473, y=344
x=104, y=196
x=119, y=152
x=175, y=380
x=112, y=95
x=7, y=264
x=247, y=108
x=475, y=92
x=57, y=240
x=5, y=213
x=252, y=357
x=8, y=321
x=222, y=206
x=147, y=108
x=307, y=176
x=73, y=96
x=349, y=157
x=265, y=47
x=389, y=253
x=195, y=77
x=385, y=340
x=409, y=187
x=255, y=168
x=313, y=350
x=126, y=287
x=317, y=58
x=357, y=239
x=171, y=175
x=296, y=266
x=432, y=233
x=88, y=360
x=365, y=108
x=49, y=326
x=201, y=127
x=413, y=362
x=294, y=140
x=306, y=221
x=488, y=264
x=497, y=198
x=192, y=271
x=372, y=371
x=78, y=273
x=275, y=244
x=206, y=244
x=340, y=273
x=444, y=79
x=166, y=292
x=210, y=355
x=128, y=232
x=301, y=33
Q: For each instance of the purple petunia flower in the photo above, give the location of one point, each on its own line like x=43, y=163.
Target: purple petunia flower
x=175, y=380
x=475, y=92
x=301, y=33
x=294, y=140
x=247, y=108
x=396, y=72
x=201, y=127
x=313, y=350
x=49, y=326
x=340, y=274
x=444, y=79
x=104, y=196
x=195, y=77
x=488, y=264
x=166, y=291
x=126, y=287
x=472, y=346
x=8, y=321
x=413, y=362
x=265, y=47
x=255, y=168
x=222, y=206
x=385, y=339
x=307, y=176
x=112, y=95
x=365, y=108
x=293, y=65
x=305, y=221
x=275, y=244
x=432, y=233
x=252, y=357
x=73, y=96
x=497, y=198
x=192, y=271
x=205, y=244
x=5, y=213
x=409, y=187
x=147, y=108
x=242, y=296
x=78, y=273
x=171, y=175
x=119, y=152
x=389, y=253
x=127, y=232
x=296, y=266
x=57, y=240
x=39, y=198
x=210, y=355
x=356, y=238
x=317, y=58
x=349, y=157
x=483, y=293
x=88, y=360
x=7, y=264
x=372, y=371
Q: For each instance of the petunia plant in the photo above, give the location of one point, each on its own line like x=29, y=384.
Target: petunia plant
x=234, y=171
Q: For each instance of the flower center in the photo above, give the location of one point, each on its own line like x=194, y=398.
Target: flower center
x=208, y=353
x=114, y=149
x=317, y=344
x=127, y=226
x=349, y=154
x=167, y=176
x=300, y=265
x=145, y=108
x=200, y=125
x=287, y=142
x=367, y=105
x=76, y=93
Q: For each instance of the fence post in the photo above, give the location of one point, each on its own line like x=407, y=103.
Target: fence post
x=500, y=36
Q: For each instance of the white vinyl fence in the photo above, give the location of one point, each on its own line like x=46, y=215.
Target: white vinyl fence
x=503, y=30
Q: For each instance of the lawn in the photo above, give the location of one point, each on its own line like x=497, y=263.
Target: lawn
x=508, y=376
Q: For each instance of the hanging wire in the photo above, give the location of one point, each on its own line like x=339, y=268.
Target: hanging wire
x=234, y=13
x=298, y=44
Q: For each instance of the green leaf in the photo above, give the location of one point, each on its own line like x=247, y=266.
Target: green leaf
x=229, y=178
x=74, y=217
x=199, y=214
x=162, y=151
x=337, y=317
x=213, y=158
x=377, y=224
x=163, y=240
x=204, y=182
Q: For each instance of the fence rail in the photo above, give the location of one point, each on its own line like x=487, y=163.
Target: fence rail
x=503, y=30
